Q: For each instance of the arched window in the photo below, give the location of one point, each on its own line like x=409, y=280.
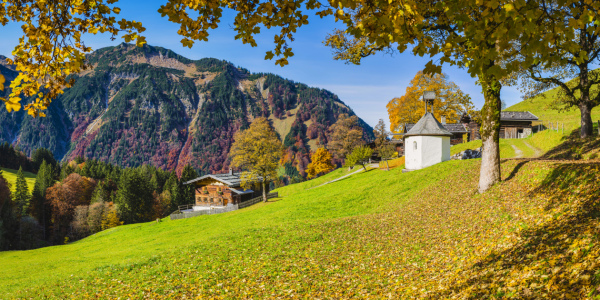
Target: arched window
x=415, y=145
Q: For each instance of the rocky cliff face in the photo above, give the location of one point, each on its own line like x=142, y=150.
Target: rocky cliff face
x=151, y=106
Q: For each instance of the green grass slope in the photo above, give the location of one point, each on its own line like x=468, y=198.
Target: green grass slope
x=375, y=234
x=541, y=142
x=541, y=107
x=11, y=176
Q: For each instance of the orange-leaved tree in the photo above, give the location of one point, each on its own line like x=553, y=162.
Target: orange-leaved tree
x=450, y=101
x=320, y=163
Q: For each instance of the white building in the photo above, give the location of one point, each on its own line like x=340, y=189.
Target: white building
x=426, y=144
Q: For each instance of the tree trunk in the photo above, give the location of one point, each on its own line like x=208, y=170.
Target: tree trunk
x=387, y=164
x=490, y=134
x=587, y=125
x=264, y=191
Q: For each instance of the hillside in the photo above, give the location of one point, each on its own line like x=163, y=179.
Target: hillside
x=150, y=105
x=541, y=106
x=546, y=143
x=375, y=234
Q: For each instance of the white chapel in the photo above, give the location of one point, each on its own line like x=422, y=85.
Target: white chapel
x=428, y=142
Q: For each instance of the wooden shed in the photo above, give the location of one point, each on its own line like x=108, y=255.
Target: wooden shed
x=516, y=124
x=513, y=125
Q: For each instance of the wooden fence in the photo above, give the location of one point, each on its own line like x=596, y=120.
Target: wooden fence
x=257, y=199
x=184, y=215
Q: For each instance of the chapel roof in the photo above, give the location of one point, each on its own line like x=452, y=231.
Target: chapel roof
x=453, y=128
x=428, y=125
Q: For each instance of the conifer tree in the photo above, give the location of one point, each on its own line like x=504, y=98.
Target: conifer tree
x=101, y=193
x=187, y=190
x=381, y=133
x=172, y=185
x=154, y=183
x=38, y=207
x=42, y=154
x=8, y=222
x=134, y=197
x=21, y=196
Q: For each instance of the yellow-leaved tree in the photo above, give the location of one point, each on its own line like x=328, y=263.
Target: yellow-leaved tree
x=110, y=218
x=320, y=163
x=51, y=47
x=257, y=150
x=450, y=101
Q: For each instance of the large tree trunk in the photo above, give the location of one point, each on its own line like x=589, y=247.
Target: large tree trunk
x=264, y=191
x=587, y=125
x=584, y=102
x=490, y=134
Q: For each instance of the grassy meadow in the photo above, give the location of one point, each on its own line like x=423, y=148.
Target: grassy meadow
x=11, y=176
x=376, y=234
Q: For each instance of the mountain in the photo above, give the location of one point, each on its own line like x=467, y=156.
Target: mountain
x=138, y=105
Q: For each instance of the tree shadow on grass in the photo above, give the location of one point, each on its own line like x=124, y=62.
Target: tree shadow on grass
x=557, y=259
x=573, y=147
x=516, y=170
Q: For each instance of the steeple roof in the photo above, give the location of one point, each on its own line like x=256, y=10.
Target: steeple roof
x=428, y=125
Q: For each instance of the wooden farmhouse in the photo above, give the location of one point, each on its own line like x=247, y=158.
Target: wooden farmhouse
x=513, y=125
x=221, y=190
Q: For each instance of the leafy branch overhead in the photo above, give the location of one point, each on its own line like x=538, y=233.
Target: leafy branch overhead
x=52, y=48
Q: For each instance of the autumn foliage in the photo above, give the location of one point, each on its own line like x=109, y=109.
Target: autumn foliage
x=450, y=101
x=64, y=197
x=257, y=150
x=346, y=134
x=321, y=163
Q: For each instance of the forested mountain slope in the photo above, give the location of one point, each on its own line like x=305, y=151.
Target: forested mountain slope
x=150, y=105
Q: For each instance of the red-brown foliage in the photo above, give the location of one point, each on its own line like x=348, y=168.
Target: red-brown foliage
x=63, y=197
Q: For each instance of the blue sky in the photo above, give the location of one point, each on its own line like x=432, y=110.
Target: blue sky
x=366, y=88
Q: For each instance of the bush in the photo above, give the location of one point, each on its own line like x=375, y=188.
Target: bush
x=359, y=156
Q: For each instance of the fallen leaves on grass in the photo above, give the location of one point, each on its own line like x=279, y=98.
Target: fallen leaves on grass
x=533, y=236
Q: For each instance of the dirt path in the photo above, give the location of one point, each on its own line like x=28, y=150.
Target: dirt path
x=537, y=151
x=342, y=177
x=518, y=152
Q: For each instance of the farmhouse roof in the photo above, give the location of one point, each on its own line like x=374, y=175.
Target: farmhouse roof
x=231, y=180
x=517, y=116
x=428, y=125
